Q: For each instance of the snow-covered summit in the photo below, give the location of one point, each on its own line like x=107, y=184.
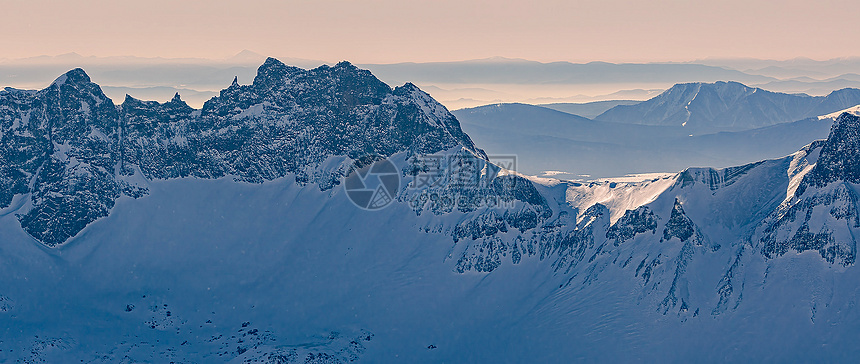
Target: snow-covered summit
x=854, y=110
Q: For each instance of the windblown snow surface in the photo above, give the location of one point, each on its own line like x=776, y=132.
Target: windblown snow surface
x=216, y=270
x=748, y=263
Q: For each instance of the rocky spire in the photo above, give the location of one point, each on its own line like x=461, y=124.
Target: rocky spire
x=840, y=156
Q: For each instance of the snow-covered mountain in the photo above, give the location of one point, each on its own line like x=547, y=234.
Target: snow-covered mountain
x=164, y=233
x=72, y=152
x=728, y=106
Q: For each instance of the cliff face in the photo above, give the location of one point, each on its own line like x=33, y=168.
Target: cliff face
x=822, y=214
x=72, y=152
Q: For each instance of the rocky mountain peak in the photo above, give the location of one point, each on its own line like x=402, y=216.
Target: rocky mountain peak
x=130, y=100
x=76, y=76
x=840, y=154
x=272, y=65
x=345, y=65
x=273, y=72
x=76, y=85
x=79, y=146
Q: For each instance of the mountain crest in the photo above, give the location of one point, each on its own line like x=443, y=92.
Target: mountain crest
x=345, y=64
x=272, y=73
x=290, y=121
x=76, y=76
x=840, y=154
x=727, y=105
x=271, y=63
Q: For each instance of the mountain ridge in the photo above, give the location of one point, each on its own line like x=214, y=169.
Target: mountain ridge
x=728, y=106
x=589, y=149
x=240, y=248
x=81, y=156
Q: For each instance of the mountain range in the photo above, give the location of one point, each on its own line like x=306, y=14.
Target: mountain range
x=513, y=71
x=590, y=149
x=157, y=232
x=456, y=85
x=728, y=106
x=75, y=152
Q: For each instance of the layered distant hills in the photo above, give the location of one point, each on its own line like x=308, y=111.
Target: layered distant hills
x=728, y=106
x=705, y=124
x=456, y=84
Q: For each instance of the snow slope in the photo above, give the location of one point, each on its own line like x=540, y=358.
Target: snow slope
x=746, y=263
x=311, y=273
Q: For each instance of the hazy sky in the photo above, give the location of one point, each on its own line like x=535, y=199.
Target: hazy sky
x=383, y=31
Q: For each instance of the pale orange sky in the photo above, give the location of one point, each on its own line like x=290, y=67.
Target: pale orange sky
x=386, y=31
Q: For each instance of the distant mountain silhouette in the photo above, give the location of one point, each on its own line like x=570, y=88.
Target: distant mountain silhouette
x=729, y=106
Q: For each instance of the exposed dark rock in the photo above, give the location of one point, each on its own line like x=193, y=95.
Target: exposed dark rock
x=71, y=148
x=680, y=226
x=633, y=222
x=839, y=159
